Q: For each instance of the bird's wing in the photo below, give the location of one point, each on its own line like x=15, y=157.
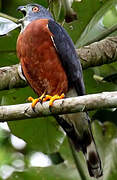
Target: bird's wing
x=76, y=125
x=69, y=59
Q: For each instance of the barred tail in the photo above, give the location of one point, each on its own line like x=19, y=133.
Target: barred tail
x=86, y=144
x=93, y=160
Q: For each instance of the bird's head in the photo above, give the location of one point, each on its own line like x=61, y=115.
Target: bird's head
x=32, y=12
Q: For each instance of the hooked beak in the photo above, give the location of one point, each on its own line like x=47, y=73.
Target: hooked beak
x=22, y=9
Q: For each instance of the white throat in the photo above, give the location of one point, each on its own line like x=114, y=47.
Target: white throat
x=24, y=25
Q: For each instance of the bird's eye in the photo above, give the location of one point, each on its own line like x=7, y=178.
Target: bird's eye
x=35, y=9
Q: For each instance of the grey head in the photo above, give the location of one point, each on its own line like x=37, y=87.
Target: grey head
x=32, y=12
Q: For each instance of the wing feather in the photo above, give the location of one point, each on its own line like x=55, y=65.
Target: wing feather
x=68, y=56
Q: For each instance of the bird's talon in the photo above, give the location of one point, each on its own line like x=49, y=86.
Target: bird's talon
x=30, y=98
x=34, y=101
x=55, y=97
x=41, y=98
x=62, y=96
x=47, y=97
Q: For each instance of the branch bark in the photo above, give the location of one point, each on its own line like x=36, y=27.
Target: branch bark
x=99, y=53
x=10, y=77
x=64, y=106
x=96, y=54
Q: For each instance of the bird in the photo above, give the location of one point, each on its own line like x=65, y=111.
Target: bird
x=52, y=68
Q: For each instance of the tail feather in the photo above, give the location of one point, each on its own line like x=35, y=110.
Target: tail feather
x=86, y=144
x=93, y=161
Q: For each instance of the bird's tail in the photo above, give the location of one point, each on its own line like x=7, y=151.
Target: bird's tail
x=93, y=159
x=86, y=144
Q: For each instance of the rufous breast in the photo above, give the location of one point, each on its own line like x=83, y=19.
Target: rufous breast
x=40, y=61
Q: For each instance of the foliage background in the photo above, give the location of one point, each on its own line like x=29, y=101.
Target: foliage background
x=44, y=143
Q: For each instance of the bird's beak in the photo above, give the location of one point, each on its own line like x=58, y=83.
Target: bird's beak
x=22, y=9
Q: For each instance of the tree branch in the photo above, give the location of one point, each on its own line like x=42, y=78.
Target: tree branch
x=64, y=106
x=10, y=77
x=99, y=53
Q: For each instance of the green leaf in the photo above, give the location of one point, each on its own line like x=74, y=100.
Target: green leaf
x=55, y=8
x=42, y=134
x=110, y=17
x=110, y=167
x=6, y=26
x=105, y=135
x=63, y=171
x=95, y=26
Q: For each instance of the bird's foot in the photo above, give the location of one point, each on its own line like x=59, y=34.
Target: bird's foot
x=35, y=101
x=44, y=98
x=53, y=98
